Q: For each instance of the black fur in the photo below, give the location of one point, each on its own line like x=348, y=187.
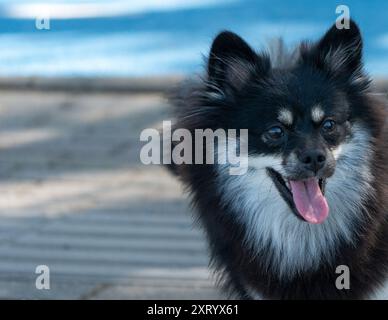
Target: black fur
x=240, y=90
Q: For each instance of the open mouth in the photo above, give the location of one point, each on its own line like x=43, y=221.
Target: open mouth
x=305, y=197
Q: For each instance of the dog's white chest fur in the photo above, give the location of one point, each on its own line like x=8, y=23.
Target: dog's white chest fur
x=298, y=246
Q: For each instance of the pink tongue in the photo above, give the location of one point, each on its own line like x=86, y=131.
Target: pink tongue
x=309, y=200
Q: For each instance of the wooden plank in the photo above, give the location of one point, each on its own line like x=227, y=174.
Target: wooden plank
x=76, y=198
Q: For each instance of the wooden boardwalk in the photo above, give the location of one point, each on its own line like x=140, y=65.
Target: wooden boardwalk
x=75, y=197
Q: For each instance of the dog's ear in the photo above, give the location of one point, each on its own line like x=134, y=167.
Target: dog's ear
x=232, y=61
x=339, y=52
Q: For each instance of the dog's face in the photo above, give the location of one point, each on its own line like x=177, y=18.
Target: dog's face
x=304, y=127
x=300, y=115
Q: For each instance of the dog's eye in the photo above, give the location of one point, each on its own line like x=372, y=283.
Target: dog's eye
x=275, y=133
x=328, y=125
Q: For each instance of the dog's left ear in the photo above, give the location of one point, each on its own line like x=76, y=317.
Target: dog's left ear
x=339, y=52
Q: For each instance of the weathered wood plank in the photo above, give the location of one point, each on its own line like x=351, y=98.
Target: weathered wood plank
x=75, y=197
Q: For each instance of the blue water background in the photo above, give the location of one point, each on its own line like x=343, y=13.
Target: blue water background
x=174, y=40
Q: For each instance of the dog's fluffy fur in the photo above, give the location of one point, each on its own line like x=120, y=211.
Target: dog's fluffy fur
x=257, y=242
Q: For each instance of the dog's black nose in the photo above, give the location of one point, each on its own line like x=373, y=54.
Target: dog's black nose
x=313, y=160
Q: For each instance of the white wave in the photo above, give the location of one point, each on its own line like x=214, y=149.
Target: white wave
x=97, y=9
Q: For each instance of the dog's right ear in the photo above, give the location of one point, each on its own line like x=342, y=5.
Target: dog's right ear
x=232, y=61
x=339, y=54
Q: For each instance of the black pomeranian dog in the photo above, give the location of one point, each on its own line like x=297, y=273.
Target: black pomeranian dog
x=315, y=194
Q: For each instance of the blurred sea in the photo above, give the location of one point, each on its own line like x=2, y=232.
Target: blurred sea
x=157, y=37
